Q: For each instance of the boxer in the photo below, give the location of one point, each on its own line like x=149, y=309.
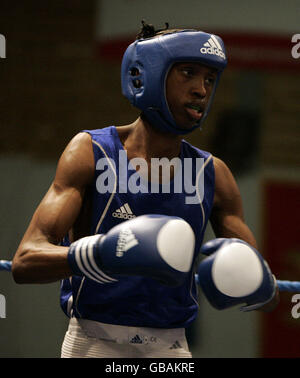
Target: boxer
x=120, y=303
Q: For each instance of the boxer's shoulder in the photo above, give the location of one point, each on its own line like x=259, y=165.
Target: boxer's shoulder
x=76, y=164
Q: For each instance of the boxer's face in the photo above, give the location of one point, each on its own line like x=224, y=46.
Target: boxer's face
x=188, y=89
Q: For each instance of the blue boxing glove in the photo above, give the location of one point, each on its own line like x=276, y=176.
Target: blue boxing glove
x=156, y=246
x=235, y=273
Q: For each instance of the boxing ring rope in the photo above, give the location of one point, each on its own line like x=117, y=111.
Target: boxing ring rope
x=292, y=286
x=283, y=285
x=5, y=265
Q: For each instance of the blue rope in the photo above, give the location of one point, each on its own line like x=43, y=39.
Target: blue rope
x=5, y=265
x=293, y=286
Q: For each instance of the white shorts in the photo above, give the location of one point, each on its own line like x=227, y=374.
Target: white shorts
x=86, y=339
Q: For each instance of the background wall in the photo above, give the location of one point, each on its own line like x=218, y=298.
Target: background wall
x=54, y=84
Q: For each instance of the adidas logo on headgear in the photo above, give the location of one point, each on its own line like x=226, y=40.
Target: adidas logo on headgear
x=213, y=47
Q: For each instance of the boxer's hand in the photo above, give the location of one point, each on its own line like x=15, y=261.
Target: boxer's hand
x=156, y=246
x=235, y=273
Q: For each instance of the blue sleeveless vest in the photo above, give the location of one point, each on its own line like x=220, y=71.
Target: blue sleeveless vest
x=138, y=301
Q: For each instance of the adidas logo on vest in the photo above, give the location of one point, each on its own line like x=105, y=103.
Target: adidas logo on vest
x=124, y=212
x=213, y=47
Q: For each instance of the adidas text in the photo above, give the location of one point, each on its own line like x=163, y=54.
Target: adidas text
x=212, y=51
x=126, y=241
x=123, y=216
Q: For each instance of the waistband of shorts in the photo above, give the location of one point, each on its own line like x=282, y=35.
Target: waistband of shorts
x=126, y=334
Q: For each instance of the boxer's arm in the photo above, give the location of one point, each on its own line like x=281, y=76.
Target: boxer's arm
x=227, y=218
x=39, y=258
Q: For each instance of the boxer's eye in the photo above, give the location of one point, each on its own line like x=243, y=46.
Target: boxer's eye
x=188, y=71
x=210, y=80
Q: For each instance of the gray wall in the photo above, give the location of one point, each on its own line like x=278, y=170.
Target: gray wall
x=34, y=324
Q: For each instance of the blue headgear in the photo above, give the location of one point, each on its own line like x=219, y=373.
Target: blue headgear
x=146, y=64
